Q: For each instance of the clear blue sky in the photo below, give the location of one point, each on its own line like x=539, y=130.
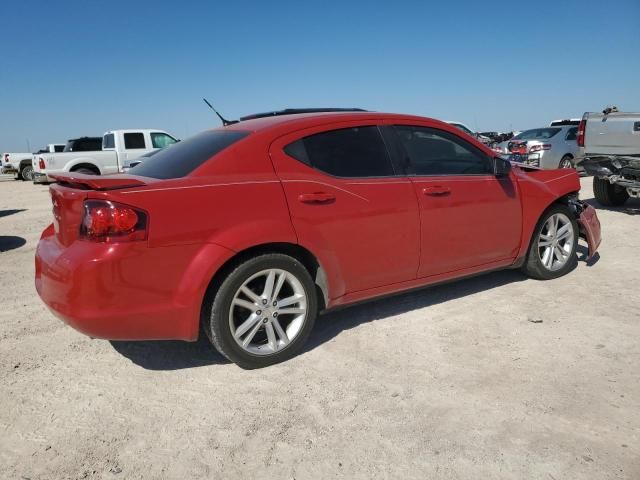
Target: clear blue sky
x=72, y=68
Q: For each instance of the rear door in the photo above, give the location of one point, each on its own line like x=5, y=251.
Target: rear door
x=468, y=216
x=349, y=205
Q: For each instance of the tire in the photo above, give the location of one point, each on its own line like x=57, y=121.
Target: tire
x=607, y=194
x=272, y=335
x=542, y=246
x=85, y=171
x=26, y=174
x=566, y=162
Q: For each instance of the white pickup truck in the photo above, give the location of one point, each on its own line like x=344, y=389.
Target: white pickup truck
x=119, y=148
x=609, y=149
x=16, y=163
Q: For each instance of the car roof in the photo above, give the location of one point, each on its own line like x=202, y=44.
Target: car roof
x=305, y=120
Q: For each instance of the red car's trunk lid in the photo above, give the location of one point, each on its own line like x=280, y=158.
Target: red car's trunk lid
x=68, y=196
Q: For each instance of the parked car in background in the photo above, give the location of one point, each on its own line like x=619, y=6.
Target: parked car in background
x=574, y=122
x=246, y=231
x=118, y=149
x=461, y=126
x=18, y=163
x=548, y=147
x=609, y=148
x=52, y=148
x=84, y=144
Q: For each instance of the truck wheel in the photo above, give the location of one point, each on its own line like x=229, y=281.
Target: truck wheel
x=27, y=173
x=608, y=194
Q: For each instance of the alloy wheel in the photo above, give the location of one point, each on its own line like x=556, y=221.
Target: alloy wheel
x=268, y=312
x=555, y=242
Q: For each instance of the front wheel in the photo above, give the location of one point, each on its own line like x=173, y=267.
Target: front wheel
x=263, y=311
x=552, y=252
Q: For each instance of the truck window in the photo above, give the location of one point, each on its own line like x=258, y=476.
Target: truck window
x=161, y=140
x=58, y=148
x=134, y=141
x=108, y=141
x=572, y=133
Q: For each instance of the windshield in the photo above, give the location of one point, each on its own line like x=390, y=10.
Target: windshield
x=463, y=128
x=180, y=159
x=537, y=134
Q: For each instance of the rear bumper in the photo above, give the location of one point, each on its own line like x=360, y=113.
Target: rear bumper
x=41, y=178
x=126, y=291
x=590, y=227
x=8, y=169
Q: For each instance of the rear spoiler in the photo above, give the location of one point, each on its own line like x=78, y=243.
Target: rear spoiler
x=83, y=181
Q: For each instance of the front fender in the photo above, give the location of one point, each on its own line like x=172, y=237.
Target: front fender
x=540, y=189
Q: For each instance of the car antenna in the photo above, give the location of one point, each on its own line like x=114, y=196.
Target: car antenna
x=224, y=121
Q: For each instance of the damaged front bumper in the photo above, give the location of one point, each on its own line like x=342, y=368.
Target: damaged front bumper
x=589, y=225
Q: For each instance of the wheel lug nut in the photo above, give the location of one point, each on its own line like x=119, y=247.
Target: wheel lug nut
x=259, y=312
x=265, y=320
x=264, y=301
x=275, y=304
x=275, y=314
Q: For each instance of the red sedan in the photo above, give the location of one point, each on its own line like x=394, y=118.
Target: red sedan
x=251, y=229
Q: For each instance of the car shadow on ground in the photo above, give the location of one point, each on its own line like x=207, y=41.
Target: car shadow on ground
x=10, y=242
x=631, y=206
x=6, y=213
x=175, y=355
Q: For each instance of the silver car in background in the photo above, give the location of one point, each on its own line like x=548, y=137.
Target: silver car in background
x=547, y=148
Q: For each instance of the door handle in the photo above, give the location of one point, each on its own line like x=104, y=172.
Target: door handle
x=436, y=191
x=318, y=198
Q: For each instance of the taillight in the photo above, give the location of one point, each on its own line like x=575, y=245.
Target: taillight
x=581, y=131
x=6, y=158
x=539, y=148
x=41, y=164
x=106, y=221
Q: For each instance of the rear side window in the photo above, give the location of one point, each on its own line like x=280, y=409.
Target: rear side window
x=58, y=148
x=180, y=159
x=88, y=144
x=133, y=141
x=348, y=152
x=108, y=141
x=572, y=133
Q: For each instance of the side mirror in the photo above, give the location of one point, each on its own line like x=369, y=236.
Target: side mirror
x=501, y=167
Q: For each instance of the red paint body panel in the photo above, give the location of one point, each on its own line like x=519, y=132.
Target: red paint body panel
x=591, y=226
x=370, y=236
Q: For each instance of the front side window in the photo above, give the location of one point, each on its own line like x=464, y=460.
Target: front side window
x=161, y=140
x=348, y=152
x=134, y=141
x=436, y=152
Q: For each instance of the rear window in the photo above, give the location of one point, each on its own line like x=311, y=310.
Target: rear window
x=109, y=141
x=58, y=148
x=182, y=158
x=85, y=144
x=537, y=134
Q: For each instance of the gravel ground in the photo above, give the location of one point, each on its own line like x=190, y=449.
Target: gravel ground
x=494, y=377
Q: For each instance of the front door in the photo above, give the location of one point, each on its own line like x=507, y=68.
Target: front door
x=469, y=217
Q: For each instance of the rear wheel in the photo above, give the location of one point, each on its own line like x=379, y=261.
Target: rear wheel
x=552, y=252
x=608, y=194
x=263, y=311
x=566, y=162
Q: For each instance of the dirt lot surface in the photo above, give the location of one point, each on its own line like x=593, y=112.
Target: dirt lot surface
x=494, y=377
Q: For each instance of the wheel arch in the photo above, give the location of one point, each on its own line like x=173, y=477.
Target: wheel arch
x=84, y=164
x=300, y=253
